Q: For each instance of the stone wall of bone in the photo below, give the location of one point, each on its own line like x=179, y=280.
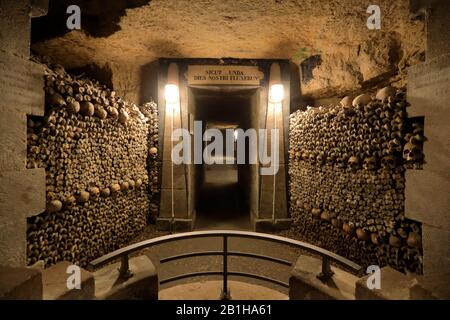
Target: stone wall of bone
x=99, y=152
x=346, y=169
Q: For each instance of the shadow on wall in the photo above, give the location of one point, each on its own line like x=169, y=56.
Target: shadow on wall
x=148, y=77
x=298, y=101
x=308, y=65
x=100, y=17
x=149, y=82
x=103, y=74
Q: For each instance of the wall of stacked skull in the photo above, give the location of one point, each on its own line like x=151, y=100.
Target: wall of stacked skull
x=99, y=153
x=150, y=111
x=346, y=169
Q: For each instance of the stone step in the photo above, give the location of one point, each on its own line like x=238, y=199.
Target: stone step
x=20, y=283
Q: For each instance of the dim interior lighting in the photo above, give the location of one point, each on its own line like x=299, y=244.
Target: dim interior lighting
x=276, y=93
x=172, y=107
x=171, y=93
x=235, y=135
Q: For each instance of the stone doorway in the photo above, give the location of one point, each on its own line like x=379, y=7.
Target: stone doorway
x=223, y=190
x=221, y=93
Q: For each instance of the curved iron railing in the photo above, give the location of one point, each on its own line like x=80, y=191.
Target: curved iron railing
x=325, y=274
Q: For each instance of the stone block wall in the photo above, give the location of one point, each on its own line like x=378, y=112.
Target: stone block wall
x=21, y=89
x=98, y=152
x=347, y=179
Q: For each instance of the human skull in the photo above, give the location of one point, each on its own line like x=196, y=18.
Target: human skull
x=363, y=234
x=362, y=99
x=395, y=241
x=320, y=159
x=291, y=154
x=305, y=155
x=94, y=192
x=346, y=101
x=370, y=163
x=388, y=162
x=395, y=145
x=342, y=161
x=316, y=212
x=123, y=116
x=417, y=139
x=353, y=163
x=417, y=128
x=325, y=215
x=412, y=152
x=331, y=159
x=348, y=228
x=414, y=240
x=385, y=93
x=54, y=206
x=153, y=152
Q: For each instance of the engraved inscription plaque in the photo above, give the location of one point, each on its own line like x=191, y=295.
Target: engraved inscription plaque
x=224, y=75
x=428, y=86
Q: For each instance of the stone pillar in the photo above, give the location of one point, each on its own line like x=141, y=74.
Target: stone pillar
x=273, y=211
x=22, y=191
x=427, y=191
x=173, y=212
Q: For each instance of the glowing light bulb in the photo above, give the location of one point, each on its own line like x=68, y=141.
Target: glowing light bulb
x=276, y=93
x=171, y=93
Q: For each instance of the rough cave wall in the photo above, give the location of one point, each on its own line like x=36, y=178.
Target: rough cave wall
x=134, y=33
x=346, y=168
x=99, y=154
x=375, y=62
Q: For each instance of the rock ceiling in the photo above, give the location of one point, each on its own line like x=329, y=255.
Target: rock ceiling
x=351, y=54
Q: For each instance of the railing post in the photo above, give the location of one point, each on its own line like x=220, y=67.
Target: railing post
x=326, y=272
x=124, y=270
x=225, y=295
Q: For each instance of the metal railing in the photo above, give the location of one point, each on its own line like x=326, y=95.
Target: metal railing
x=325, y=273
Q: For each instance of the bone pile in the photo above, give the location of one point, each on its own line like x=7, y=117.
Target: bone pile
x=346, y=168
x=94, y=147
x=150, y=110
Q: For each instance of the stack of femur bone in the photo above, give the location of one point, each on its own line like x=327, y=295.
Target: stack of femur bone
x=346, y=167
x=150, y=110
x=94, y=147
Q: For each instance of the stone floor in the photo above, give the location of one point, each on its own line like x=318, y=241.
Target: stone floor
x=214, y=263
x=220, y=210
x=210, y=290
x=222, y=204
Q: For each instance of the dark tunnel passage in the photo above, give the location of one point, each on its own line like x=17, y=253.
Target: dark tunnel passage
x=223, y=190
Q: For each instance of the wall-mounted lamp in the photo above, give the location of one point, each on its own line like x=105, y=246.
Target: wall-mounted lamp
x=276, y=93
x=171, y=93
x=172, y=96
